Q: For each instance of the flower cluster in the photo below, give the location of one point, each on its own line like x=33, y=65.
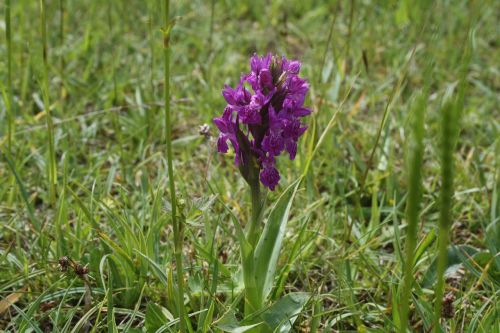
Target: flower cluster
x=263, y=122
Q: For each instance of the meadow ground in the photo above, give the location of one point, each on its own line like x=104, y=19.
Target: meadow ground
x=89, y=180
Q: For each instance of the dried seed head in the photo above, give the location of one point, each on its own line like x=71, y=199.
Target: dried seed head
x=204, y=130
x=448, y=311
x=64, y=263
x=81, y=270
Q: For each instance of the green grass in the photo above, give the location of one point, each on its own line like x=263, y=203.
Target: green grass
x=91, y=178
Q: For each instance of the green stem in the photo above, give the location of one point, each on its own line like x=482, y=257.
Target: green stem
x=413, y=205
x=253, y=230
x=51, y=161
x=9, y=76
x=149, y=110
x=349, y=31
x=443, y=242
x=253, y=301
x=211, y=31
x=449, y=132
x=61, y=41
x=175, y=221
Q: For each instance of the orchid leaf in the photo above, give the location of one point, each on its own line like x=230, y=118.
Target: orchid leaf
x=229, y=323
x=268, y=248
x=280, y=316
x=156, y=316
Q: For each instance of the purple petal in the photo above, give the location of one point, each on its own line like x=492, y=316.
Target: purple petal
x=229, y=95
x=270, y=177
x=255, y=63
x=297, y=87
x=266, y=79
x=273, y=144
x=249, y=115
x=291, y=148
x=221, y=124
x=301, y=112
x=294, y=67
x=222, y=144
x=252, y=79
x=275, y=121
x=257, y=101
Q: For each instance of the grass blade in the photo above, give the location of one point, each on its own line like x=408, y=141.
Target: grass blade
x=31, y=212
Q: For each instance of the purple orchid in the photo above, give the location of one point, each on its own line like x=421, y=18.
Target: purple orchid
x=263, y=124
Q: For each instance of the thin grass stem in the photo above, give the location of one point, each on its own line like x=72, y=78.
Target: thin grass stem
x=62, y=64
x=51, y=158
x=450, y=128
x=449, y=123
x=211, y=31
x=178, y=230
x=413, y=204
x=9, y=102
